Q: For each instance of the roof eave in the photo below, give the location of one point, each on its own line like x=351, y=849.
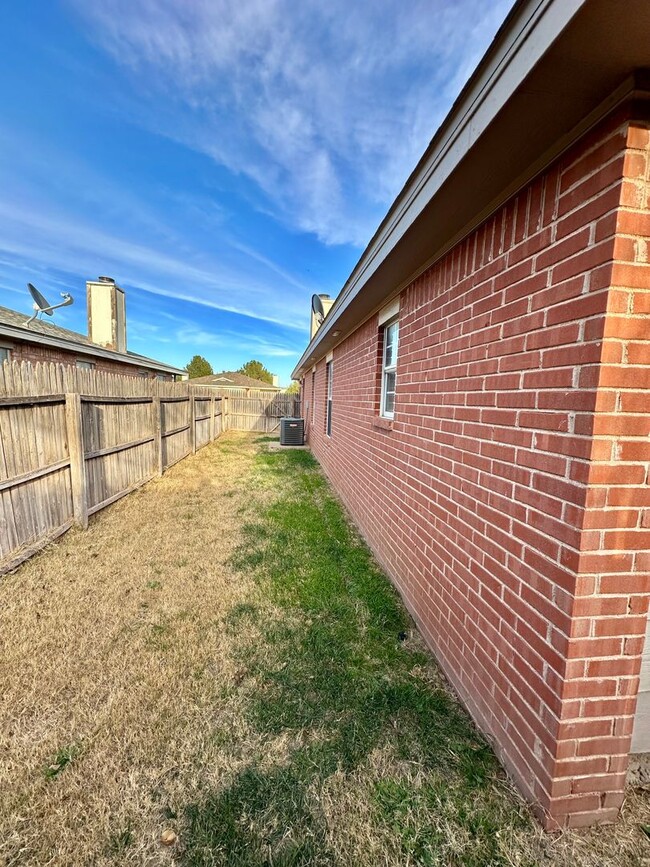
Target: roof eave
x=20, y=335
x=538, y=37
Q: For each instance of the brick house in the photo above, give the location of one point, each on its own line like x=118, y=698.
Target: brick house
x=103, y=349
x=479, y=396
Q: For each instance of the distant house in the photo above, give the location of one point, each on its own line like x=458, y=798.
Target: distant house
x=479, y=396
x=229, y=379
x=103, y=349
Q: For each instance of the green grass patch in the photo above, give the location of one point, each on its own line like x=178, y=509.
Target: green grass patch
x=240, y=615
x=119, y=843
x=61, y=760
x=336, y=680
x=159, y=637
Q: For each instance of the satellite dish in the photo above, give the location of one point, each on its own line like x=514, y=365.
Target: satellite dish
x=40, y=302
x=41, y=305
x=317, y=308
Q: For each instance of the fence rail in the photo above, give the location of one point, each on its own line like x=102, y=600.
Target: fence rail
x=73, y=442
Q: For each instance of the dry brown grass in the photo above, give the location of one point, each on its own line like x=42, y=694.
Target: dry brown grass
x=347, y=801
x=113, y=646
x=117, y=656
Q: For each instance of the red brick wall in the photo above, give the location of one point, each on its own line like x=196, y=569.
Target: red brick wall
x=36, y=352
x=611, y=604
x=507, y=498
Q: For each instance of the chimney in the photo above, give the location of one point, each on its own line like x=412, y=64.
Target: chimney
x=106, y=313
x=327, y=302
x=276, y=379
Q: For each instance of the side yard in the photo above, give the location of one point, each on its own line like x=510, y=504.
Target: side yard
x=219, y=656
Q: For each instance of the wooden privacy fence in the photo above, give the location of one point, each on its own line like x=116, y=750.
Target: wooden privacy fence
x=260, y=410
x=73, y=441
x=66, y=454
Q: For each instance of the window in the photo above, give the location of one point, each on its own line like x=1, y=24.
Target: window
x=5, y=354
x=328, y=407
x=313, y=396
x=389, y=369
x=161, y=376
x=85, y=365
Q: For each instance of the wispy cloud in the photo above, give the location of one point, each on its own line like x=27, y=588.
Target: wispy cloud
x=33, y=232
x=231, y=154
x=223, y=340
x=326, y=106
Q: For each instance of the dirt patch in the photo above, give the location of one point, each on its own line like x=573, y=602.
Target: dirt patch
x=638, y=774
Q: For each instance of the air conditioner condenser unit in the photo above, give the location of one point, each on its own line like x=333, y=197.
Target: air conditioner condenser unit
x=292, y=431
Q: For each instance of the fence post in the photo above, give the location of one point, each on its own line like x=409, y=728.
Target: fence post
x=213, y=421
x=224, y=414
x=74, y=430
x=192, y=425
x=156, y=422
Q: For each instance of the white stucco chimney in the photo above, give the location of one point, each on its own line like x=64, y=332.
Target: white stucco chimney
x=276, y=379
x=106, y=313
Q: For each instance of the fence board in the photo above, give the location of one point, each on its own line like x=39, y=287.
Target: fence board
x=78, y=477
x=202, y=420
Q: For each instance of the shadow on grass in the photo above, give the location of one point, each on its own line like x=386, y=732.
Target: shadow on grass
x=334, y=677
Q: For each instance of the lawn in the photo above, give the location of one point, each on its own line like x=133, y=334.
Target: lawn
x=219, y=660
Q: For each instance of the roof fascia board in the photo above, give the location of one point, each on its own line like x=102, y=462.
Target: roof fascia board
x=631, y=89
x=20, y=336
x=622, y=94
x=536, y=25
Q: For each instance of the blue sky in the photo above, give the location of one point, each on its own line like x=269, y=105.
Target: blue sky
x=222, y=159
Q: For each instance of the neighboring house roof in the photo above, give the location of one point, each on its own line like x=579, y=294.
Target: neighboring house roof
x=554, y=69
x=12, y=327
x=232, y=379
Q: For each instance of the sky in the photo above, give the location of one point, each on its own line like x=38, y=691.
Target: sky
x=221, y=159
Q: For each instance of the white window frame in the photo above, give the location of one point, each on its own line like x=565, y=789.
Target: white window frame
x=329, y=375
x=388, y=368
x=313, y=396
